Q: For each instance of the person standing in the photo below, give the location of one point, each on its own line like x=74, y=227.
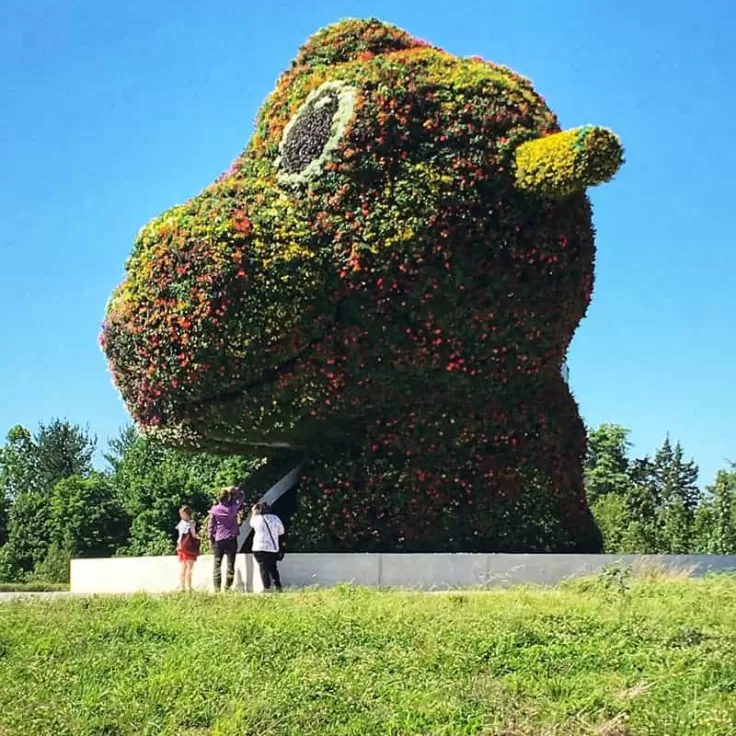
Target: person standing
x=223, y=533
x=267, y=528
x=187, y=546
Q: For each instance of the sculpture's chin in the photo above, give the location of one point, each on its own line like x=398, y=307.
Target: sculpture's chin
x=229, y=422
x=186, y=437
x=233, y=415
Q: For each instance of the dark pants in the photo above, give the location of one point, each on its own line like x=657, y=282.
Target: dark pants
x=267, y=565
x=224, y=547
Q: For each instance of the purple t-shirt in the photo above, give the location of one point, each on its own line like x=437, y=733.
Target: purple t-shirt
x=223, y=523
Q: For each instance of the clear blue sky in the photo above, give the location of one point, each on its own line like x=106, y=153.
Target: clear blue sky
x=112, y=112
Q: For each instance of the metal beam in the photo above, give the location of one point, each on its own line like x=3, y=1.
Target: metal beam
x=270, y=497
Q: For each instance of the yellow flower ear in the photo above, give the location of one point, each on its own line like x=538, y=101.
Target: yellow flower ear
x=563, y=163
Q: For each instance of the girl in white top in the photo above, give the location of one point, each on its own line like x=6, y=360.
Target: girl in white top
x=267, y=528
x=187, y=555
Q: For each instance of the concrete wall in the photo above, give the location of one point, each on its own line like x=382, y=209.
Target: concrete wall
x=426, y=571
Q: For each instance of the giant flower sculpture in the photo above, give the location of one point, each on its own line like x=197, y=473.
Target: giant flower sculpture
x=388, y=277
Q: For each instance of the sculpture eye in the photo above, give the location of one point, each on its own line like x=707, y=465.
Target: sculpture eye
x=314, y=132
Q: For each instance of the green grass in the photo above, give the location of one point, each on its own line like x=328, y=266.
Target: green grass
x=33, y=587
x=656, y=658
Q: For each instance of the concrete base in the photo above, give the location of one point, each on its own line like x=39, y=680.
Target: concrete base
x=422, y=571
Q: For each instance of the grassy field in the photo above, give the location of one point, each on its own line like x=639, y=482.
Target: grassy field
x=602, y=657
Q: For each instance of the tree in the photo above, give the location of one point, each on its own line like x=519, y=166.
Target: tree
x=678, y=497
x=62, y=450
x=643, y=502
x=59, y=508
x=17, y=462
x=645, y=505
x=30, y=467
x=120, y=445
x=16, y=472
x=86, y=518
x=662, y=498
x=612, y=516
x=715, y=520
x=19, y=505
x=28, y=533
x=607, y=462
x=151, y=481
x=608, y=486
x=676, y=478
x=4, y=514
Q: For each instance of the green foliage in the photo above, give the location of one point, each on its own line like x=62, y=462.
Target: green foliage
x=616, y=577
x=17, y=462
x=151, y=482
x=5, y=504
x=8, y=573
x=676, y=479
x=653, y=505
x=130, y=509
x=16, y=473
x=523, y=661
x=61, y=449
x=30, y=468
x=54, y=567
x=86, y=517
x=716, y=518
x=28, y=533
x=613, y=518
x=668, y=497
x=607, y=462
x=641, y=505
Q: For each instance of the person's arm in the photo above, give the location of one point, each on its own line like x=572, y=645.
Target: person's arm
x=211, y=528
x=280, y=527
x=251, y=519
x=193, y=529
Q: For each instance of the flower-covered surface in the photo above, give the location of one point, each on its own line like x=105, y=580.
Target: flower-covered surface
x=388, y=277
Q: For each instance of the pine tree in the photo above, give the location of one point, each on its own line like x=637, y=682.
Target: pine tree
x=721, y=531
x=643, y=501
x=677, y=479
x=677, y=496
x=607, y=461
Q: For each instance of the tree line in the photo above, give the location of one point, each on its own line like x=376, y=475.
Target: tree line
x=55, y=505
x=653, y=505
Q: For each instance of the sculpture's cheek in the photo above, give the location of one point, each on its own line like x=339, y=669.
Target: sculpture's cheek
x=218, y=294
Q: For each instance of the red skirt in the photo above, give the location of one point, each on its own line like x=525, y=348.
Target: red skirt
x=185, y=556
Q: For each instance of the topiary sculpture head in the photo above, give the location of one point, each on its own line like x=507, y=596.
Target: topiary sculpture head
x=389, y=275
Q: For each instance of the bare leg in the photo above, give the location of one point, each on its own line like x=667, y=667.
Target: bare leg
x=189, y=567
x=183, y=575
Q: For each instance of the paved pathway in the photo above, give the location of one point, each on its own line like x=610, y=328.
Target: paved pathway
x=24, y=595
x=57, y=595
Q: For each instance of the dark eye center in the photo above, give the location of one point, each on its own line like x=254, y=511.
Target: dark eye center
x=309, y=133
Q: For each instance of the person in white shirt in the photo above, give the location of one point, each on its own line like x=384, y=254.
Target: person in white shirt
x=187, y=546
x=267, y=528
